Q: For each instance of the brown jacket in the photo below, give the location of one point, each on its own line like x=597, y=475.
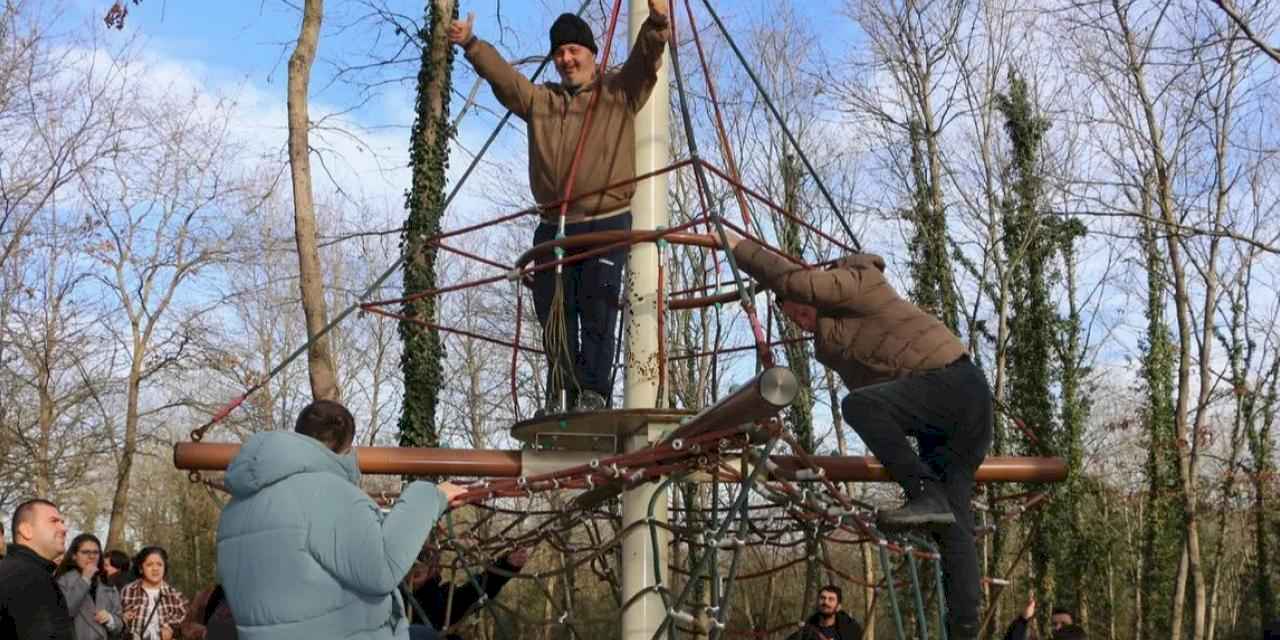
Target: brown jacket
x=555, y=117
x=865, y=331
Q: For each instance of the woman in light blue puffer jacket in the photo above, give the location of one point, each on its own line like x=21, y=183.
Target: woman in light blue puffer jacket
x=303, y=552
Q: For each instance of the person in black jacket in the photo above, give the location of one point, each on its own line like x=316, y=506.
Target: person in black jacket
x=829, y=622
x=1018, y=628
x=32, y=606
x=433, y=595
x=1061, y=621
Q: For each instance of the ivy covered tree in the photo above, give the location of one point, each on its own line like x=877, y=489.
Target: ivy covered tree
x=933, y=283
x=1073, y=542
x=421, y=359
x=1029, y=243
x=798, y=351
x=1162, y=516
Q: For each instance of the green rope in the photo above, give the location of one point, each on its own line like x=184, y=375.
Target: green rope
x=887, y=569
x=922, y=622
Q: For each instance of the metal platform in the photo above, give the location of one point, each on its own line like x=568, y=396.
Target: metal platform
x=596, y=431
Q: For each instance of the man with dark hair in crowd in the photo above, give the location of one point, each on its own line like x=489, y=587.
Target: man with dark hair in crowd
x=303, y=552
x=118, y=568
x=579, y=335
x=1061, y=618
x=31, y=604
x=443, y=608
x=1061, y=622
x=829, y=622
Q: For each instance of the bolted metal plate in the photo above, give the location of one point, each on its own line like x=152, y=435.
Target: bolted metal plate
x=598, y=431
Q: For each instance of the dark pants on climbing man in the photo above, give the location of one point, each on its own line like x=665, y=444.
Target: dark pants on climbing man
x=591, y=290
x=949, y=413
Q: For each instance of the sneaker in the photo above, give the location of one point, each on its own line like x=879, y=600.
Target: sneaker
x=928, y=509
x=553, y=407
x=589, y=401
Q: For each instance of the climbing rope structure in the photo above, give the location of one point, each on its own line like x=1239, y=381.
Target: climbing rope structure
x=698, y=517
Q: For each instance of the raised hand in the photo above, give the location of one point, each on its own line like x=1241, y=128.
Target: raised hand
x=731, y=239
x=460, y=30
x=1030, y=611
x=166, y=632
x=452, y=493
x=659, y=9
x=102, y=617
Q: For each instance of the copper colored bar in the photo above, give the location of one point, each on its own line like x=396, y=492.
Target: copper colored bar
x=493, y=463
x=868, y=469
x=487, y=463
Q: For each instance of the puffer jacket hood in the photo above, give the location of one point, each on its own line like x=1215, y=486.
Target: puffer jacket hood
x=267, y=458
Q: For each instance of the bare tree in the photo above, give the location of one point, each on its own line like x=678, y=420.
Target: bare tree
x=160, y=204
x=49, y=422
x=320, y=360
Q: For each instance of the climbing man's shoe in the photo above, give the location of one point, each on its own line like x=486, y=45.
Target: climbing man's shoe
x=929, y=508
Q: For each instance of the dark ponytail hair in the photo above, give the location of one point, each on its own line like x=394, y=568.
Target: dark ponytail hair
x=120, y=560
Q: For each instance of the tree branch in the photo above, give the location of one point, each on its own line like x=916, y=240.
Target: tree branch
x=1229, y=8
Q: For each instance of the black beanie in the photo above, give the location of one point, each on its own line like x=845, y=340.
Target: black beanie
x=570, y=29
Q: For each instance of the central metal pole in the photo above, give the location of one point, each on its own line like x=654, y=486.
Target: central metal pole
x=641, y=618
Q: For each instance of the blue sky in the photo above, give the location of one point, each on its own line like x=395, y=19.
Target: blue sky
x=239, y=50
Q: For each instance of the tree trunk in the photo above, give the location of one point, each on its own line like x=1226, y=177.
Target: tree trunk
x=321, y=367
x=1184, y=433
x=43, y=463
x=120, y=501
x=1179, y=596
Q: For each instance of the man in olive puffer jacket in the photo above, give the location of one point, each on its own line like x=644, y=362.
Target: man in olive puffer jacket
x=908, y=376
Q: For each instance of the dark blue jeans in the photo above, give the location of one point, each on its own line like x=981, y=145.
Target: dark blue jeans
x=591, y=291
x=949, y=412
x=423, y=632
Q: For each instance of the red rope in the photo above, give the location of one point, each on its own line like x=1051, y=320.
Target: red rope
x=721, y=133
x=468, y=254
x=647, y=236
x=772, y=205
x=462, y=332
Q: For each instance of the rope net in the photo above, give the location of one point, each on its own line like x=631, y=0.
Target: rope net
x=740, y=532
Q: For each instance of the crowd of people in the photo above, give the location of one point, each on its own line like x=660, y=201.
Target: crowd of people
x=303, y=552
